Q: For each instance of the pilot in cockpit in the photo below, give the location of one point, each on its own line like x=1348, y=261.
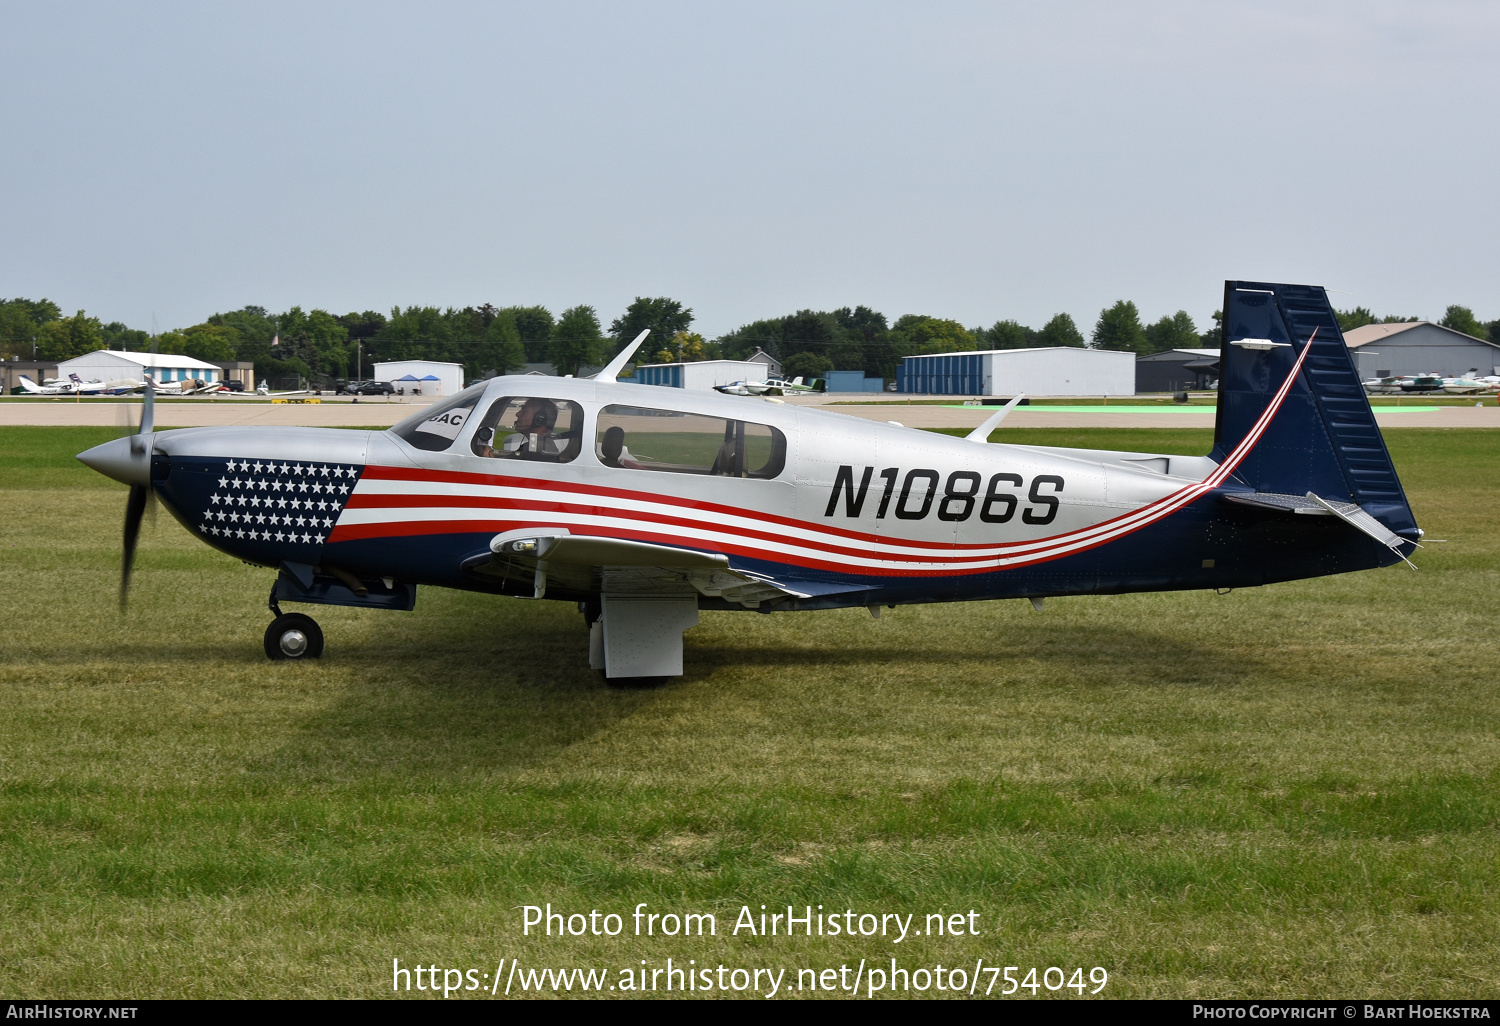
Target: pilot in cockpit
x=534, y=426
x=532, y=434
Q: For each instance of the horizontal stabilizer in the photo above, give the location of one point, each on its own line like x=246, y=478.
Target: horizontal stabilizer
x=1362, y=521
x=1314, y=505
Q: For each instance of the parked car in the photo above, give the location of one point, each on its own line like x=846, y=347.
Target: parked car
x=372, y=388
x=235, y=385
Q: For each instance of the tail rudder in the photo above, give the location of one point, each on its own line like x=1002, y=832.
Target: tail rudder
x=1322, y=438
x=28, y=385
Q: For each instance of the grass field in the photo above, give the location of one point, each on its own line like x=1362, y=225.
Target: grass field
x=1291, y=791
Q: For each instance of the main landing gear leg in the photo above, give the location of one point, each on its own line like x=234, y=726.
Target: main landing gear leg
x=292, y=635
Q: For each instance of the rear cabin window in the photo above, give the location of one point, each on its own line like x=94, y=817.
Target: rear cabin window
x=633, y=438
x=522, y=427
x=435, y=428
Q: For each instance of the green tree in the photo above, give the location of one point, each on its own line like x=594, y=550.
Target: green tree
x=577, y=340
x=362, y=325
x=1060, y=331
x=918, y=333
x=1120, y=328
x=118, y=336
x=1493, y=328
x=1213, y=338
x=866, y=335
x=20, y=322
x=1461, y=318
x=764, y=334
x=1010, y=335
x=68, y=337
x=665, y=317
x=205, y=341
x=1176, y=331
x=1356, y=318
x=1398, y=319
x=689, y=346
x=805, y=366
x=534, y=324
x=317, y=338
x=503, y=351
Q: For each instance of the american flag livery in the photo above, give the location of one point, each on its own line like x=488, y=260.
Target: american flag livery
x=402, y=502
x=289, y=503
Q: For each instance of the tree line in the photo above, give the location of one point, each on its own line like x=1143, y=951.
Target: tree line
x=488, y=340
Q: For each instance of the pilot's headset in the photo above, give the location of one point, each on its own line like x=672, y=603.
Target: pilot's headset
x=544, y=415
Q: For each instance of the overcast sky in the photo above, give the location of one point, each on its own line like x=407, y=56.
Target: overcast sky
x=974, y=161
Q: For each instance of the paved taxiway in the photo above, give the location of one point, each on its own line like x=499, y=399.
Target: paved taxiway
x=343, y=413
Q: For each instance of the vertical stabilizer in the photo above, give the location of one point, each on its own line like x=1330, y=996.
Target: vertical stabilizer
x=1324, y=438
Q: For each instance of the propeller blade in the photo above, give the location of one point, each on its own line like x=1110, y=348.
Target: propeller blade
x=148, y=412
x=135, y=508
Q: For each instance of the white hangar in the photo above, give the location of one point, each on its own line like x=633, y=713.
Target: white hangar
x=111, y=365
x=1059, y=370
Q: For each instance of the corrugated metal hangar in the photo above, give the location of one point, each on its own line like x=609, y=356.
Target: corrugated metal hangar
x=701, y=374
x=1177, y=370
x=1419, y=347
x=1061, y=370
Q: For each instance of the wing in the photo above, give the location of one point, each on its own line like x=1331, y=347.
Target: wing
x=590, y=564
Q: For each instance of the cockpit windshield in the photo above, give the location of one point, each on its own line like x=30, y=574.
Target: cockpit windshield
x=435, y=428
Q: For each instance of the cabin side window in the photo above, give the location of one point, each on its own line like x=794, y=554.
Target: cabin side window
x=435, y=428
x=520, y=427
x=634, y=438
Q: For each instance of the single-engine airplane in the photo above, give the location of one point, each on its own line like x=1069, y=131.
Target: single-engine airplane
x=645, y=504
x=771, y=386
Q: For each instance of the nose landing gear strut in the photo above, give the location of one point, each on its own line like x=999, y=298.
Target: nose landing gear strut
x=292, y=635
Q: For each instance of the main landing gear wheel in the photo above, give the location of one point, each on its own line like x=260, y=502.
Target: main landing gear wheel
x=294, y=636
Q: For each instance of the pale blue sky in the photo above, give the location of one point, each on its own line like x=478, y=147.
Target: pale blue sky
x=976, y=161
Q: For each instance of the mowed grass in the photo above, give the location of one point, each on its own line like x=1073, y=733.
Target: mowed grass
x=1286, y=791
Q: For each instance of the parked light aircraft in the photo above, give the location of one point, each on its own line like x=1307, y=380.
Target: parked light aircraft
x=646, y=504
x=51, y=386
x=771, y=386
x=75, y=385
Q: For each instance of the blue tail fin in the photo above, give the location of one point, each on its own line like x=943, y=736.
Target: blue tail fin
x=1324, y=438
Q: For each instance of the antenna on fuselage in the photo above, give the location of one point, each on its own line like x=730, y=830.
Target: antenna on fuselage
x=982, y=432
x=616, y=365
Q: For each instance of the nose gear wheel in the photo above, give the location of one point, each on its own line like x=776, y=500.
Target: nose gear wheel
x=294, y=636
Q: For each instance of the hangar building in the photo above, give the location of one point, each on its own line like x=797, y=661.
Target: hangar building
x=701, y=374
x=1059, y=370
x=1419, y=347
x=1177, y=370
x=110, y=365
x=433, y=377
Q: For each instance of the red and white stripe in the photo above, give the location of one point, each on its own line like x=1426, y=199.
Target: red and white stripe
x=399, y=501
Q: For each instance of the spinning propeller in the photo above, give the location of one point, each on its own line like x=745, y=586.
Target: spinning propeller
x=128, y=460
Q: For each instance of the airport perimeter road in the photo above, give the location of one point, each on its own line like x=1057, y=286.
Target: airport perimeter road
x=206, y=412
x=342, y=413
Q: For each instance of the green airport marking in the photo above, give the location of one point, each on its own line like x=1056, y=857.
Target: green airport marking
x=1156, y=409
